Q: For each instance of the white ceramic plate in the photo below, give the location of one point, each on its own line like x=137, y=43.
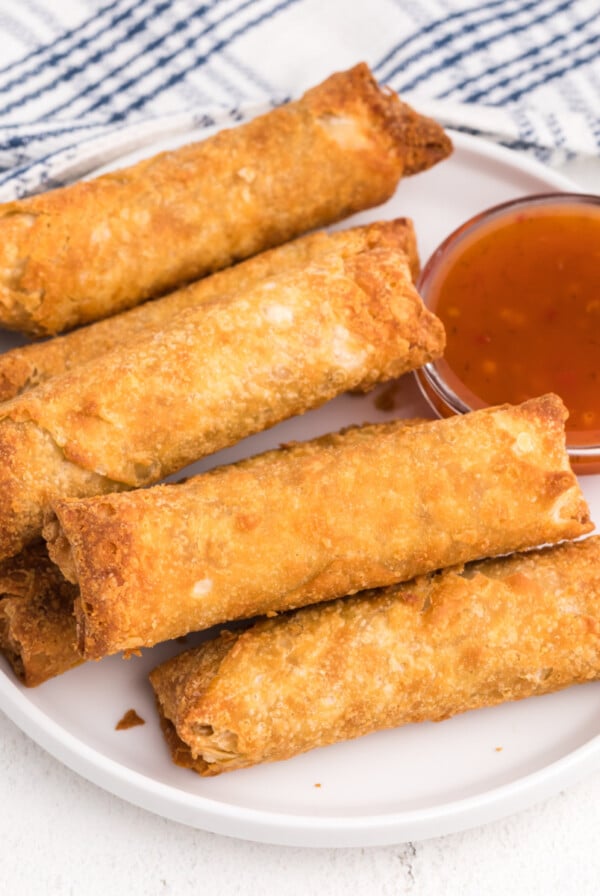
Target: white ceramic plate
x=415, y=782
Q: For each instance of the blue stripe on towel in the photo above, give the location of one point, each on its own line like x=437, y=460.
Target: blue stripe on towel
x=41, y=164
x=51, y=48
x=514, y=75
x=482, y=43
x=138, y=51
x=433, y=27
x=573, y=63
x=68, y=74
x=173, y=79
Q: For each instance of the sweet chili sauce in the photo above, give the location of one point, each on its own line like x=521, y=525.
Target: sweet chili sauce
x=518, y=291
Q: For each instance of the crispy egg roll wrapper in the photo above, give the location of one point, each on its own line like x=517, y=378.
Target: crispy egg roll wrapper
x=28, y=366
x=494, y=631
x=37, y=625
x=316, y=520
x=223, y=370
x=86, y=251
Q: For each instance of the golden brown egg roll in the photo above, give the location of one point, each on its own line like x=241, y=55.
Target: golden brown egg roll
x=443, y=644
x=28, y=366
x=37, y=623
x=37, y=626
x=86, y=251
x=316, y=520
x=222, y=370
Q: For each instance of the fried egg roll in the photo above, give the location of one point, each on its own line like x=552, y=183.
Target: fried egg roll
x=83, y=252
x=222, y=370
x=37, y=626
x=312, y=521
x=443, y=644
x=28, y=366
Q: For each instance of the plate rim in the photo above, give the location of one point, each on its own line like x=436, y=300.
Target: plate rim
x=283, y=828
x=308, y=830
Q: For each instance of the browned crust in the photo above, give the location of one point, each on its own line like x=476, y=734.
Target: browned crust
x=317, y=520
x=220, y=372
x=28, y=366
x=180, y=752
x=95, y=248
x=495, y=631
x=419, y=142
x=37, y=626
x=424, y=142
x=34, y=471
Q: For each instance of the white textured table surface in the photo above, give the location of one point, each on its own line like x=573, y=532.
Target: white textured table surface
x=61, y=835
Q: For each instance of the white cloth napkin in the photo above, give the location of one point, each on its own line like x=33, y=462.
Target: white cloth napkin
x=86, y=81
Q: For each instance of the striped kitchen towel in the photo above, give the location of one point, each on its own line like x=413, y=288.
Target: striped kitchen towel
x=84, y=81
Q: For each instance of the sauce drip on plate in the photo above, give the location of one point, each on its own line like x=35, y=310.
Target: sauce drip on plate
x=519, y=296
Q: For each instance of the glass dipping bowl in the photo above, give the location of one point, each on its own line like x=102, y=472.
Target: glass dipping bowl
x=445, y=388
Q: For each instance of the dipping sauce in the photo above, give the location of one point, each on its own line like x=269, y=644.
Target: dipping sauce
x=518, y=291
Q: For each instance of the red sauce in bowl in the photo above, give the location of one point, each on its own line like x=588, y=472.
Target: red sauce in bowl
x=518, y=291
